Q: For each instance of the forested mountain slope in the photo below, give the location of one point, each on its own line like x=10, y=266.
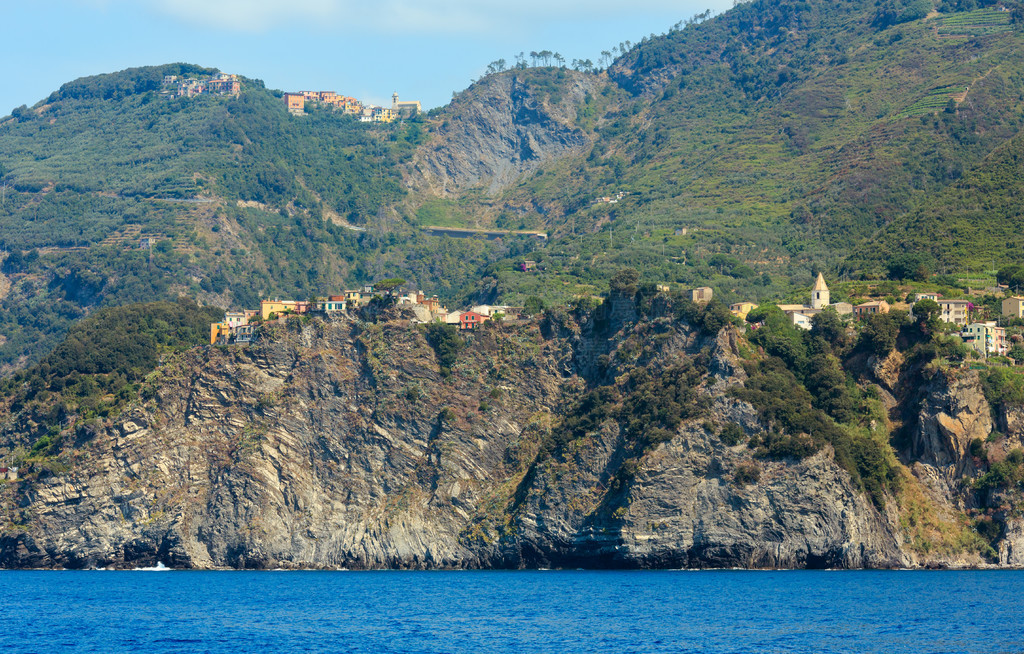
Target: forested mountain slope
x=741, y=151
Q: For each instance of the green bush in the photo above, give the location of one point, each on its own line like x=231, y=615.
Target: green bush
x=746, y=474
x=446, y=342
x=732, y=434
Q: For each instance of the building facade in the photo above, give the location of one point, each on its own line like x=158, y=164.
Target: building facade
x=985, y=338
x=702, y=294
x=1013, y=307
x=871, y=308
x=954, y=311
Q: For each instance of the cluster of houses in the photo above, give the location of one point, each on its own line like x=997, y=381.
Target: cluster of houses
x=611, y=199
x=296, y=105
x=238, y=326
x=985, y=337
x=189, y=87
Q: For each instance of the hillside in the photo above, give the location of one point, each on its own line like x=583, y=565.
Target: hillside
x=647, y=432
x=242, y=201
x=782, y=135
x=742, y=151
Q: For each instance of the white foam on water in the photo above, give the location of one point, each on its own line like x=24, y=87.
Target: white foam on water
x=159, y=567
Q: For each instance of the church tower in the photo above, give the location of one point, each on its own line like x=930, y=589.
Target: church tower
x=819, y=294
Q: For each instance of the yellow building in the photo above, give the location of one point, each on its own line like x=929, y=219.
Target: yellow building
x=219, y=331
x=268, y=307
x=381, y=114
x=1013, y=307
x=741, y=309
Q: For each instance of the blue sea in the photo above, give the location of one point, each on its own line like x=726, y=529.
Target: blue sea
x=541, y=611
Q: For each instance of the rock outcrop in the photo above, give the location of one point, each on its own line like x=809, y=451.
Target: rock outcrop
x=954, y=413
x=503, y=127
x=340, y=443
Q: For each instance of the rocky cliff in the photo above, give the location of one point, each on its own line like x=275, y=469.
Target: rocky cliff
x=342, y=443
x=503, y=127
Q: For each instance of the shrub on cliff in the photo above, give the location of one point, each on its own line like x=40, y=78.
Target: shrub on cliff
x=446, y=343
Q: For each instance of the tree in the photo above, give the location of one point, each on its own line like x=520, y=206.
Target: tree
x=389, y=285
x=926, y=314
x=624, y=282
x=446, y=343
x=880, y=332
x=1017, y=354
x=533, y=305
x=829, y=326
x=911, y=266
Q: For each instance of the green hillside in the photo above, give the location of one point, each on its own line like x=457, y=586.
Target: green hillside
x=783, y=135
x=742, y=151
x=242, y=200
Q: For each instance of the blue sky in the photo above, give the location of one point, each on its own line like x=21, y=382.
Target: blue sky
x=423, y=49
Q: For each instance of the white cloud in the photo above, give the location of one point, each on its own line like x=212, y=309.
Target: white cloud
x=410, y=16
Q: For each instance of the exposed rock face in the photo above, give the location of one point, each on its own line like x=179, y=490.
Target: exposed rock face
x=502, y=128
x=1011, y=548
x=887, y=370
x=1011, y=423
x=954, y=413
x=684, y=509
x=339, y=444
x=305, y=450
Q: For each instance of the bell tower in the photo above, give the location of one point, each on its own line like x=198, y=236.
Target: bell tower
x=819, y=294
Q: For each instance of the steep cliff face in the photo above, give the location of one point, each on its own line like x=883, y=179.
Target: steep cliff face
x=699, y=499
x=331, y=445
x=954, y=413
x=504, y=127
x=342, y=444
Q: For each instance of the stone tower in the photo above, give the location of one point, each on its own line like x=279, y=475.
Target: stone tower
x=819, y=294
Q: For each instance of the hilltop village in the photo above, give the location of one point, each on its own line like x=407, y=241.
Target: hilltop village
x=983, y=337
x=176, y=86
x=238, y=326
x=297, y=103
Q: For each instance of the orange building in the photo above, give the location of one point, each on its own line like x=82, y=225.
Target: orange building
x=296, y=103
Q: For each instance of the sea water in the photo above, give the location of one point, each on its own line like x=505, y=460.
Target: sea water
x=156, y=610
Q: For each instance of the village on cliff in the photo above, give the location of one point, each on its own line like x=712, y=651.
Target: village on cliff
x=985, y=338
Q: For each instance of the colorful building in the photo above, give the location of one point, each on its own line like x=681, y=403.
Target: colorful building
x=471, y=320
x=219, y=333
x=741, y=309
x=1013, y=307
x=871, y=308
x=954, y=311
x=277, y=307
x=332, y=304
x=985, y=338
x=296, y=103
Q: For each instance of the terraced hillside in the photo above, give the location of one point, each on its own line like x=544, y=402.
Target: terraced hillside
x=742, y=152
